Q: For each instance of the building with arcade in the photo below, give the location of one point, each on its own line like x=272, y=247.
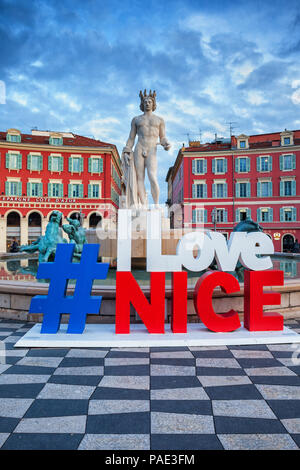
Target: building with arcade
x=45, y=171
x=218, y=184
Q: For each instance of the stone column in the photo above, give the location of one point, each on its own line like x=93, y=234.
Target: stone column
x=24, y=230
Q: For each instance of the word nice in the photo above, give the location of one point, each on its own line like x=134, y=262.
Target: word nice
x=243, y=247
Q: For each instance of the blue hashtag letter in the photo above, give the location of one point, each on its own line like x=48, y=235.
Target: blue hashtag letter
x=59, y=272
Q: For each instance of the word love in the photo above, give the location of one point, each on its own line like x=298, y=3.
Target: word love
x=152, y=312
x=243, y=247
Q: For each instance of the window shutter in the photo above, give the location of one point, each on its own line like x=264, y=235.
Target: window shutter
x=81, y=190
x=270, y=163
x=237, y=189
x=237, y=165
x=213, y=165
x=20, y=188
x=205, y=216
x=258, y=214
x=89, y=165
x=7, y=188
x=237, y=213
x=204, y=166
x=225, y=165
x=40, y=164
x=7, y=160
x=69, y=190
x=294, y=214
x=281, y=188
x=205, y=190
x=281, y=214
x=294, y=162
x=61, y=164
x=225, y=189
x=271, y=214
x=28, y=189
x=258, y=189
x=49, y=163
x=225, y=215
x=194, y=167
x=248, y=164
x=248, y=189
x=101, y=165
x=90, y=190
x=81, y=165
x=193, y=216
x=270, y=188
x=294, y=188
x=213, y=190
x=29, y=162
x=50, y=189
x=70, y=164
x=19, y=161
x=61, y=190
x=248, y=213
x=258, y=163
x=281, y=162
x=40, y=190
x=194, y=191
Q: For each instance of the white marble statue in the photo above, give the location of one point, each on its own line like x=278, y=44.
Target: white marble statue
x=150, y=130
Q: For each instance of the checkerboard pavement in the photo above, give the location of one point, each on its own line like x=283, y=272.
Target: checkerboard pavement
x=176, y=398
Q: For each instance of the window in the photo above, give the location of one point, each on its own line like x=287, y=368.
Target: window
x=287, y=162
x=242, y=214
x=242, y=144
x=34, y=189
x=199, y=190
x=219, y=190
x=243, y=189
x=75, y=190
x=34, y=162
x=287, y=140
x=199, y=216
x=199, y=166
x=288, y=187
x=55, y=163
x=264, y=163
x=55, y=140
x=265, y=214
x=219, y=165
x=221, y=215
x=55, y=189
x=76, y=164
x=93, y=190
x=288, y=214
x=95, y=165
x=13, y=188
x=264, y=189
x=13, y=161
x=13, y=137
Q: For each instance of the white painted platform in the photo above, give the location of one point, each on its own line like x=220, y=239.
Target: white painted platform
x=102, y=335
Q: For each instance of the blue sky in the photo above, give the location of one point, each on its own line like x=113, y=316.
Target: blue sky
x=79, y=66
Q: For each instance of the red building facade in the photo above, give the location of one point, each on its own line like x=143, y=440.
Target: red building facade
x=219, y=184
x=46, y=171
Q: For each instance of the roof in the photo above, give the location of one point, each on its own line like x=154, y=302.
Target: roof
x=75, y=141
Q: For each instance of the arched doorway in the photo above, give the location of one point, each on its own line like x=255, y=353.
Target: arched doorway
x=94, y=220
x=287, y=242
x=13, y=230
x=75, y=215
x=34, y=226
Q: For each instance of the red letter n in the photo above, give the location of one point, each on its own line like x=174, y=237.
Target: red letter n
x=129, y=292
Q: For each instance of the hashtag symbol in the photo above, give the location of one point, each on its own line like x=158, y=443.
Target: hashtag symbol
x=56, y=303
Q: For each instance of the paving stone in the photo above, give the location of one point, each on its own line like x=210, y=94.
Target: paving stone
x=279, y=392
x=242, y=408
x=257, y=442
x=124, y=423
x=14, y=407
x=244, y=354
x=39, y=441
x=40, y=361
x=59, y=391
x=139, y=382
x=199, y=407
x=172, y=423
x=185, y=442
x=223, y=380
x=89, y=353
x=172, y=355
x=115, y=442
x=42, y=408
x=171, y=370
x=124, y=361
x=196, y=393
x=292, y=425
x=99, y=370
x=265, y=371
x=98, y=407
x=60, y=424
x=218, y=362
x=3, y=437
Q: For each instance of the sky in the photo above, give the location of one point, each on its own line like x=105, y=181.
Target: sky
x=78, y=66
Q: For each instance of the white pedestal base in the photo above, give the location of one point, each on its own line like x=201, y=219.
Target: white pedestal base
x=103, y=335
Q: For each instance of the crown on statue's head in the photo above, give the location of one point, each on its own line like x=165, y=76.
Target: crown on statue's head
x=151, y=95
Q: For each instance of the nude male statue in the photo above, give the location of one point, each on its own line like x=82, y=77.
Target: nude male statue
x=149, y=128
